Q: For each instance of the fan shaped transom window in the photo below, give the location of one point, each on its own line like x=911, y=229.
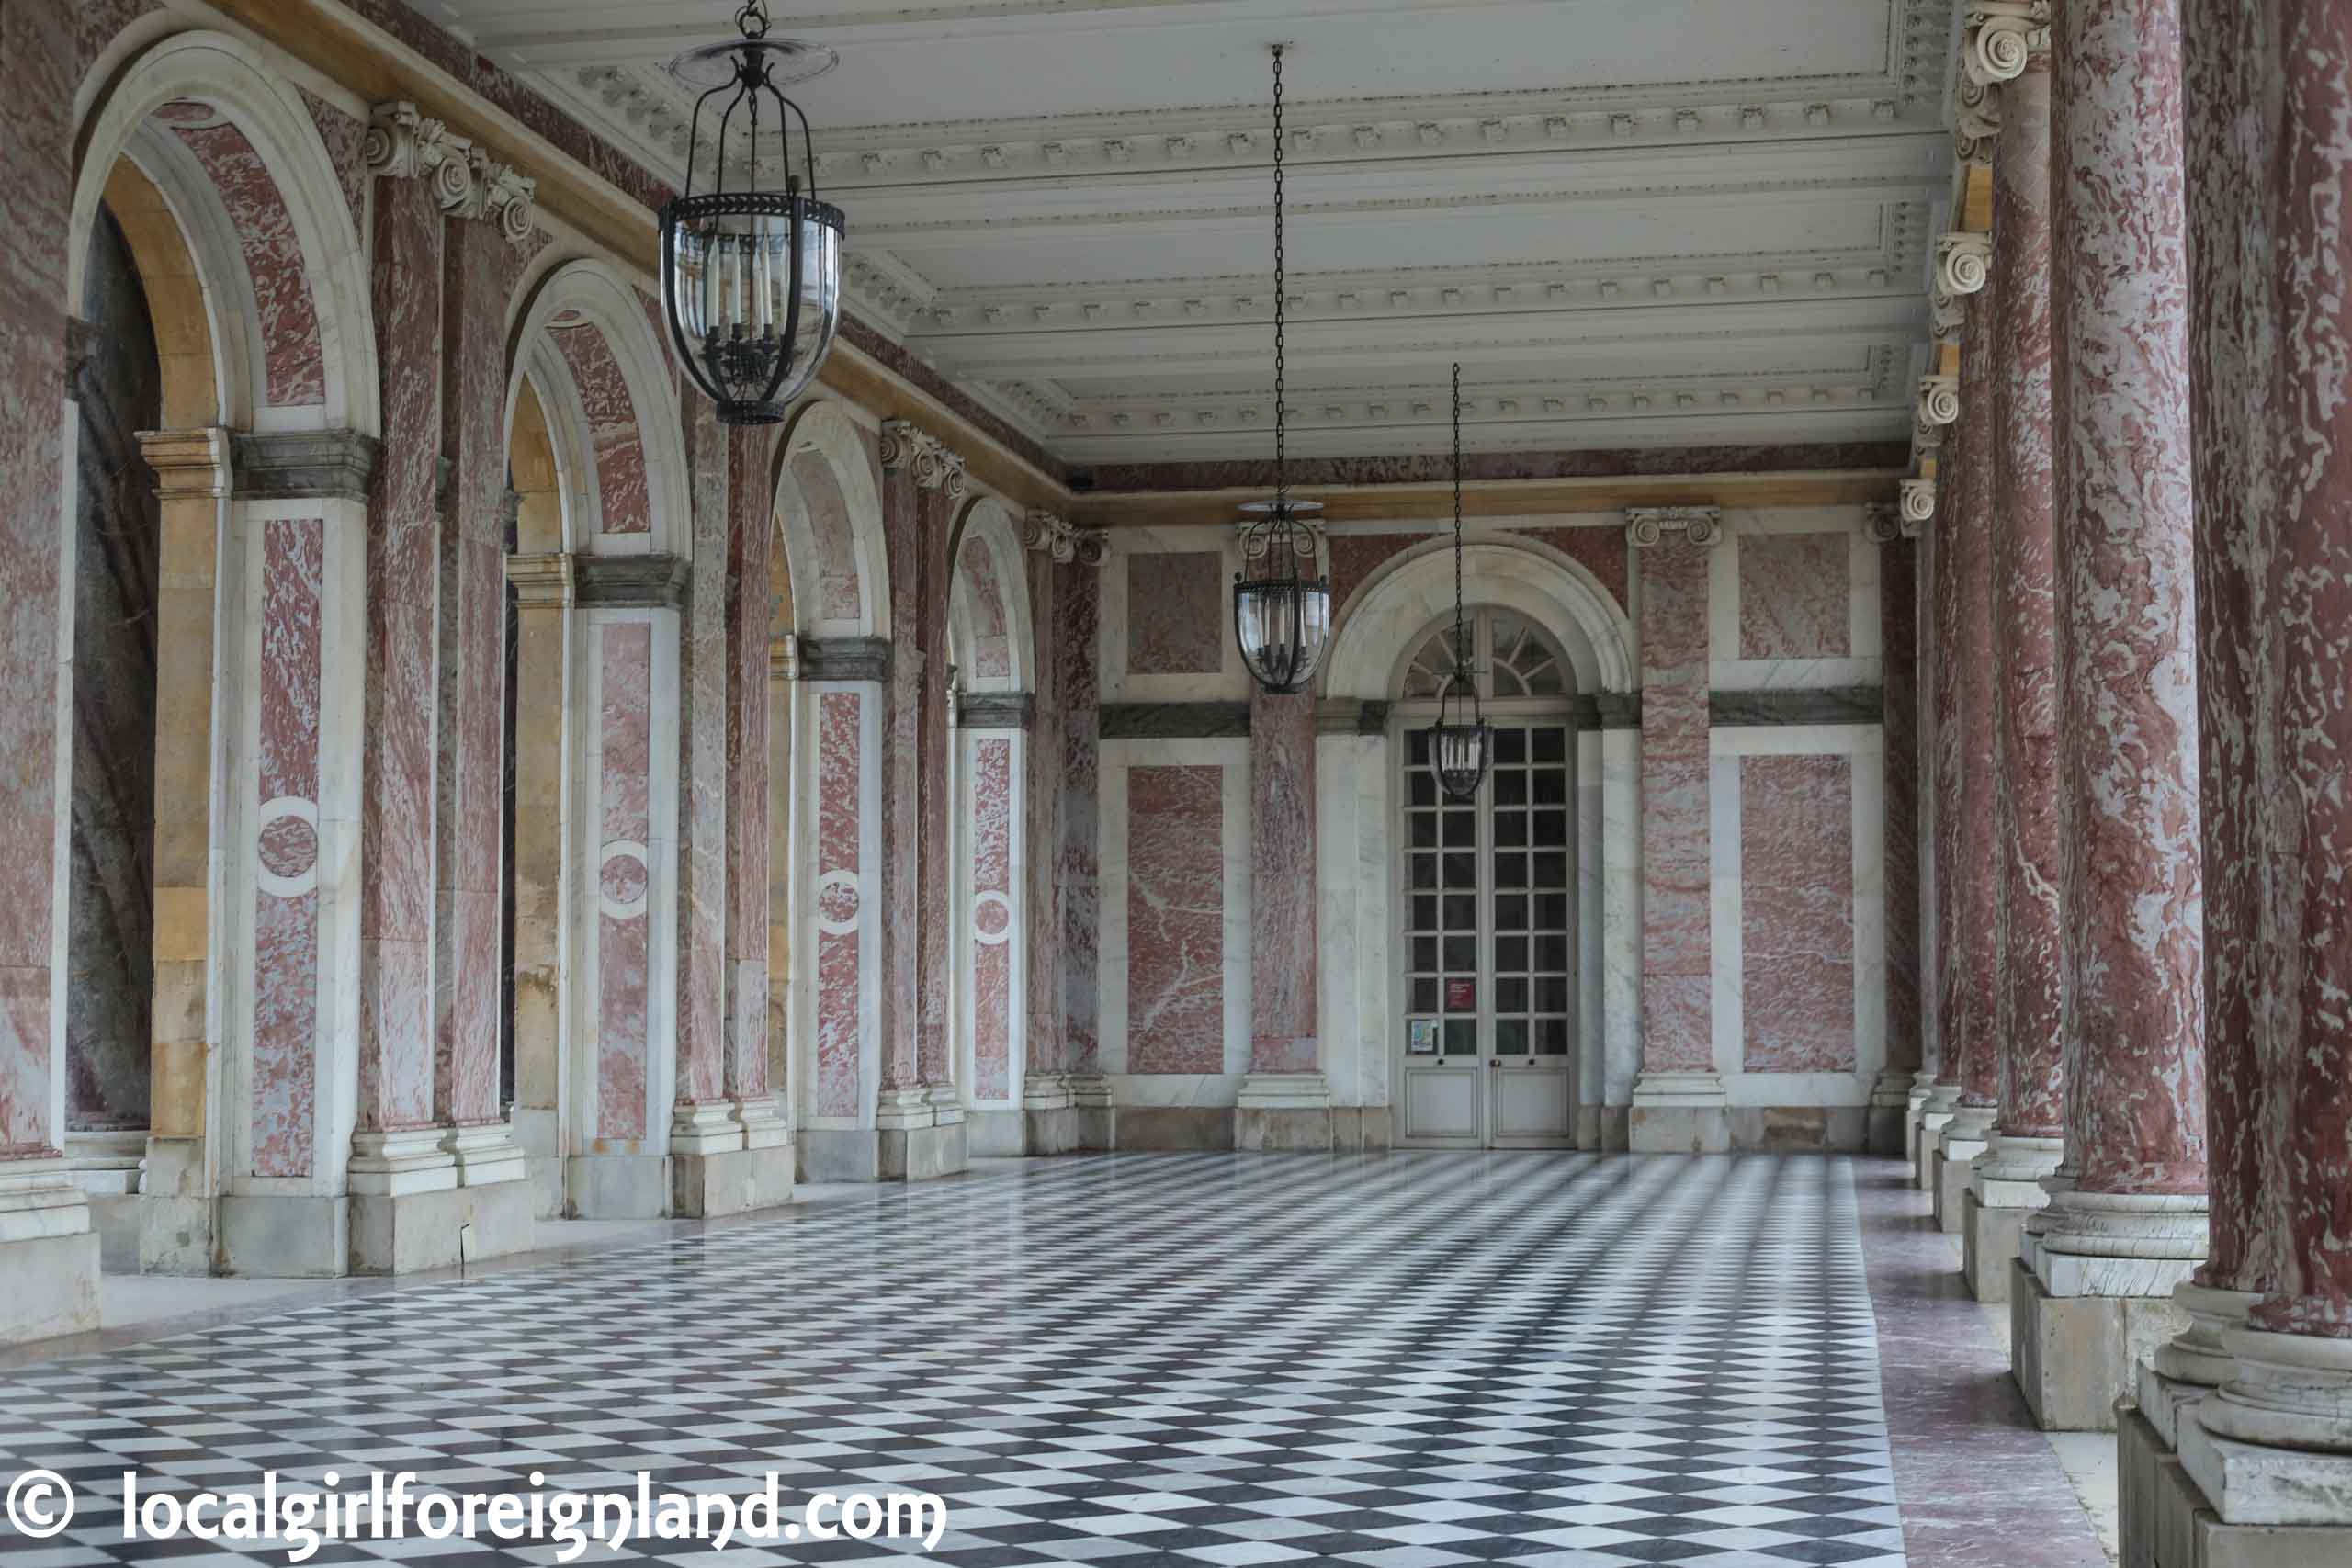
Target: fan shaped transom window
x=1514, y=659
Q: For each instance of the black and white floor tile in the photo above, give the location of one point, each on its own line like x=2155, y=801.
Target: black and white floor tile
x=1140, y=1361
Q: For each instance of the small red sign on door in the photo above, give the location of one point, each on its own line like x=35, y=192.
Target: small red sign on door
x=1462, y=996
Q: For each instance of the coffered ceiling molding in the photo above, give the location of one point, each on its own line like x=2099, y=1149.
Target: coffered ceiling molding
x=1637, y=223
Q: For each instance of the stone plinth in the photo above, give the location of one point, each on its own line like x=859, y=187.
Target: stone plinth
x=49, y=1255
x=2073, y=1354
x=1965, y=1137
x=2003, y=1186
x=1679, y=1113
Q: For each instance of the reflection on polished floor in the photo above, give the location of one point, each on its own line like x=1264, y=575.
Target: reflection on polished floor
x=1405, y=1362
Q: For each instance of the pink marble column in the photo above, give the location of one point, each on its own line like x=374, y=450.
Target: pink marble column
x=1964, y=771
x=1282, y=954
x=934, y=920
x=1898, y=566
x=749, y=615
x=1079, y=595
x=396, y=1032
x=2131, y=970
x=37, y=69
x=2269, y=91
x=899, y=875
x=1043, y=828
x=2027, y=1136
x=1678, y=1099
x=705, y=660
x=470, y=678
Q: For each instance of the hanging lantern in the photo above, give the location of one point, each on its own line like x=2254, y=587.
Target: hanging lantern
x=1461, y=742
x=750, y=278
x=1281, y=606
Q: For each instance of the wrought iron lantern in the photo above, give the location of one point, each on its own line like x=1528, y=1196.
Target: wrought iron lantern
x=1281, y=606
x=1461, y=742
x=750, y=278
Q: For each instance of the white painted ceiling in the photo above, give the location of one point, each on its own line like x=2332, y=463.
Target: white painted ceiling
x=1636, y=222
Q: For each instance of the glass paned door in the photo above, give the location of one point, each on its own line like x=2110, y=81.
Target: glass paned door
x=1487, y=934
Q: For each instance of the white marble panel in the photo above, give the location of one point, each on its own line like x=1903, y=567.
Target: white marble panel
x=1591, y=968
x=1351, y=858
x=1621, y=912
x=1215, y=1091
x=1727, y=938
x=1231, y=682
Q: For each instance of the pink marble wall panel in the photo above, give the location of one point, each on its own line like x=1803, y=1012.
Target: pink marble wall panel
x=750, y=543
x=623, y=826
x=1079, y=592
x=1898, y=568
x=1796, y=913
x=982, y=597
x=38, y=60
x=2027, y=929
x=1794, y=596
x=103, y=21
x=1176, y=613
x=838, y=594
x=2133, y=889
x=2269, y=88
x=286, y=793
x=1283, y=950
x=345, y=136
x=704, y=664
x=840, y=891
x=993, y=901
x=294, y=364
x=1175, y=919
x=1601, y=551
x=403, y=569
x=611, y=414
x=1677, y=1005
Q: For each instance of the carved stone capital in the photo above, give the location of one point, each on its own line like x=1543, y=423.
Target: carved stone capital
x=1882, y=522
x=404, y=144
x=2002, y=35
x=1918, y=502
x=304, y=464
x=1649, y=524
x=541, y=581
x=1976, y=120
x=931, y=462
x=1938, y=399
x=500, y=194
x=1963, y=262
x=1946, y=313
x=1063, y=540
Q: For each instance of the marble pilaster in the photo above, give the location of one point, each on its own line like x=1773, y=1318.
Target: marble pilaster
x=1899, y=723
x=1285, y=1099
x=1078, y=595
x=2126, y=1220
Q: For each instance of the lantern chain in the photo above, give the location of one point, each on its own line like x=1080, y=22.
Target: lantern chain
x=752, y=19
x=1461, y=631
x=1282, y=484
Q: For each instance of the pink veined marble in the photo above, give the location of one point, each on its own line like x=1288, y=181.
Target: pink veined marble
x=838, y=596
x=38, y=71
x=934, y=867
x=977, y=589
x=1282, y=954
x=1972, y=1048
x=294, y=364
x=345, y=136
x=752, y=540
x=613, y=427
x=1793, y=592
x=1678, y=1005
x=1079, y=592
x=1177, y=613
x=1899, y=721
x=2270, y=95
x=897, y=882
x=993, y=901
x=396, y=1057
x=624, y=876
x=1175, y=919
x=102, y=22
x=703, y=674
x=286, y=906
x=1796, y=894
x=1941, y=774
x=2134, y=1001
x=838, y=890
x=2025, y=693
x=1042, y=831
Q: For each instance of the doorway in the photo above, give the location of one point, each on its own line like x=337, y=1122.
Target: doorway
x=1485, y=1044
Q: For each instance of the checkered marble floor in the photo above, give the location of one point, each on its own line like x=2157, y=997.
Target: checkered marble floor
x=1147, y=1361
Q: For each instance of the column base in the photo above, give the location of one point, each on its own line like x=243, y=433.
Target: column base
x=1935, y=1115
x=1097, y=1119
x=2074, y=1354
x=2168, y=1521
x=106, y=1166
x=1963, y=1137
x=49, y=1253
x=1923, y=1084
x=1679, y=1113
x=1988, y=1241
x=403, y=1233
x=1283, y=1112
x=2003, y=1186
x=1890, y=1109
x=2256, y=1484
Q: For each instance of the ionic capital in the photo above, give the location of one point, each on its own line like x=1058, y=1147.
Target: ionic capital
x=1063, y=540
x=2002, y=35
x=500, y=194
x=933, y=464
x=1649, y=524
x=1963, y=262
x=1938, y=399
x=1883, y=523
x=1946, y=313
x=404, y=145
x=1918, y=504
